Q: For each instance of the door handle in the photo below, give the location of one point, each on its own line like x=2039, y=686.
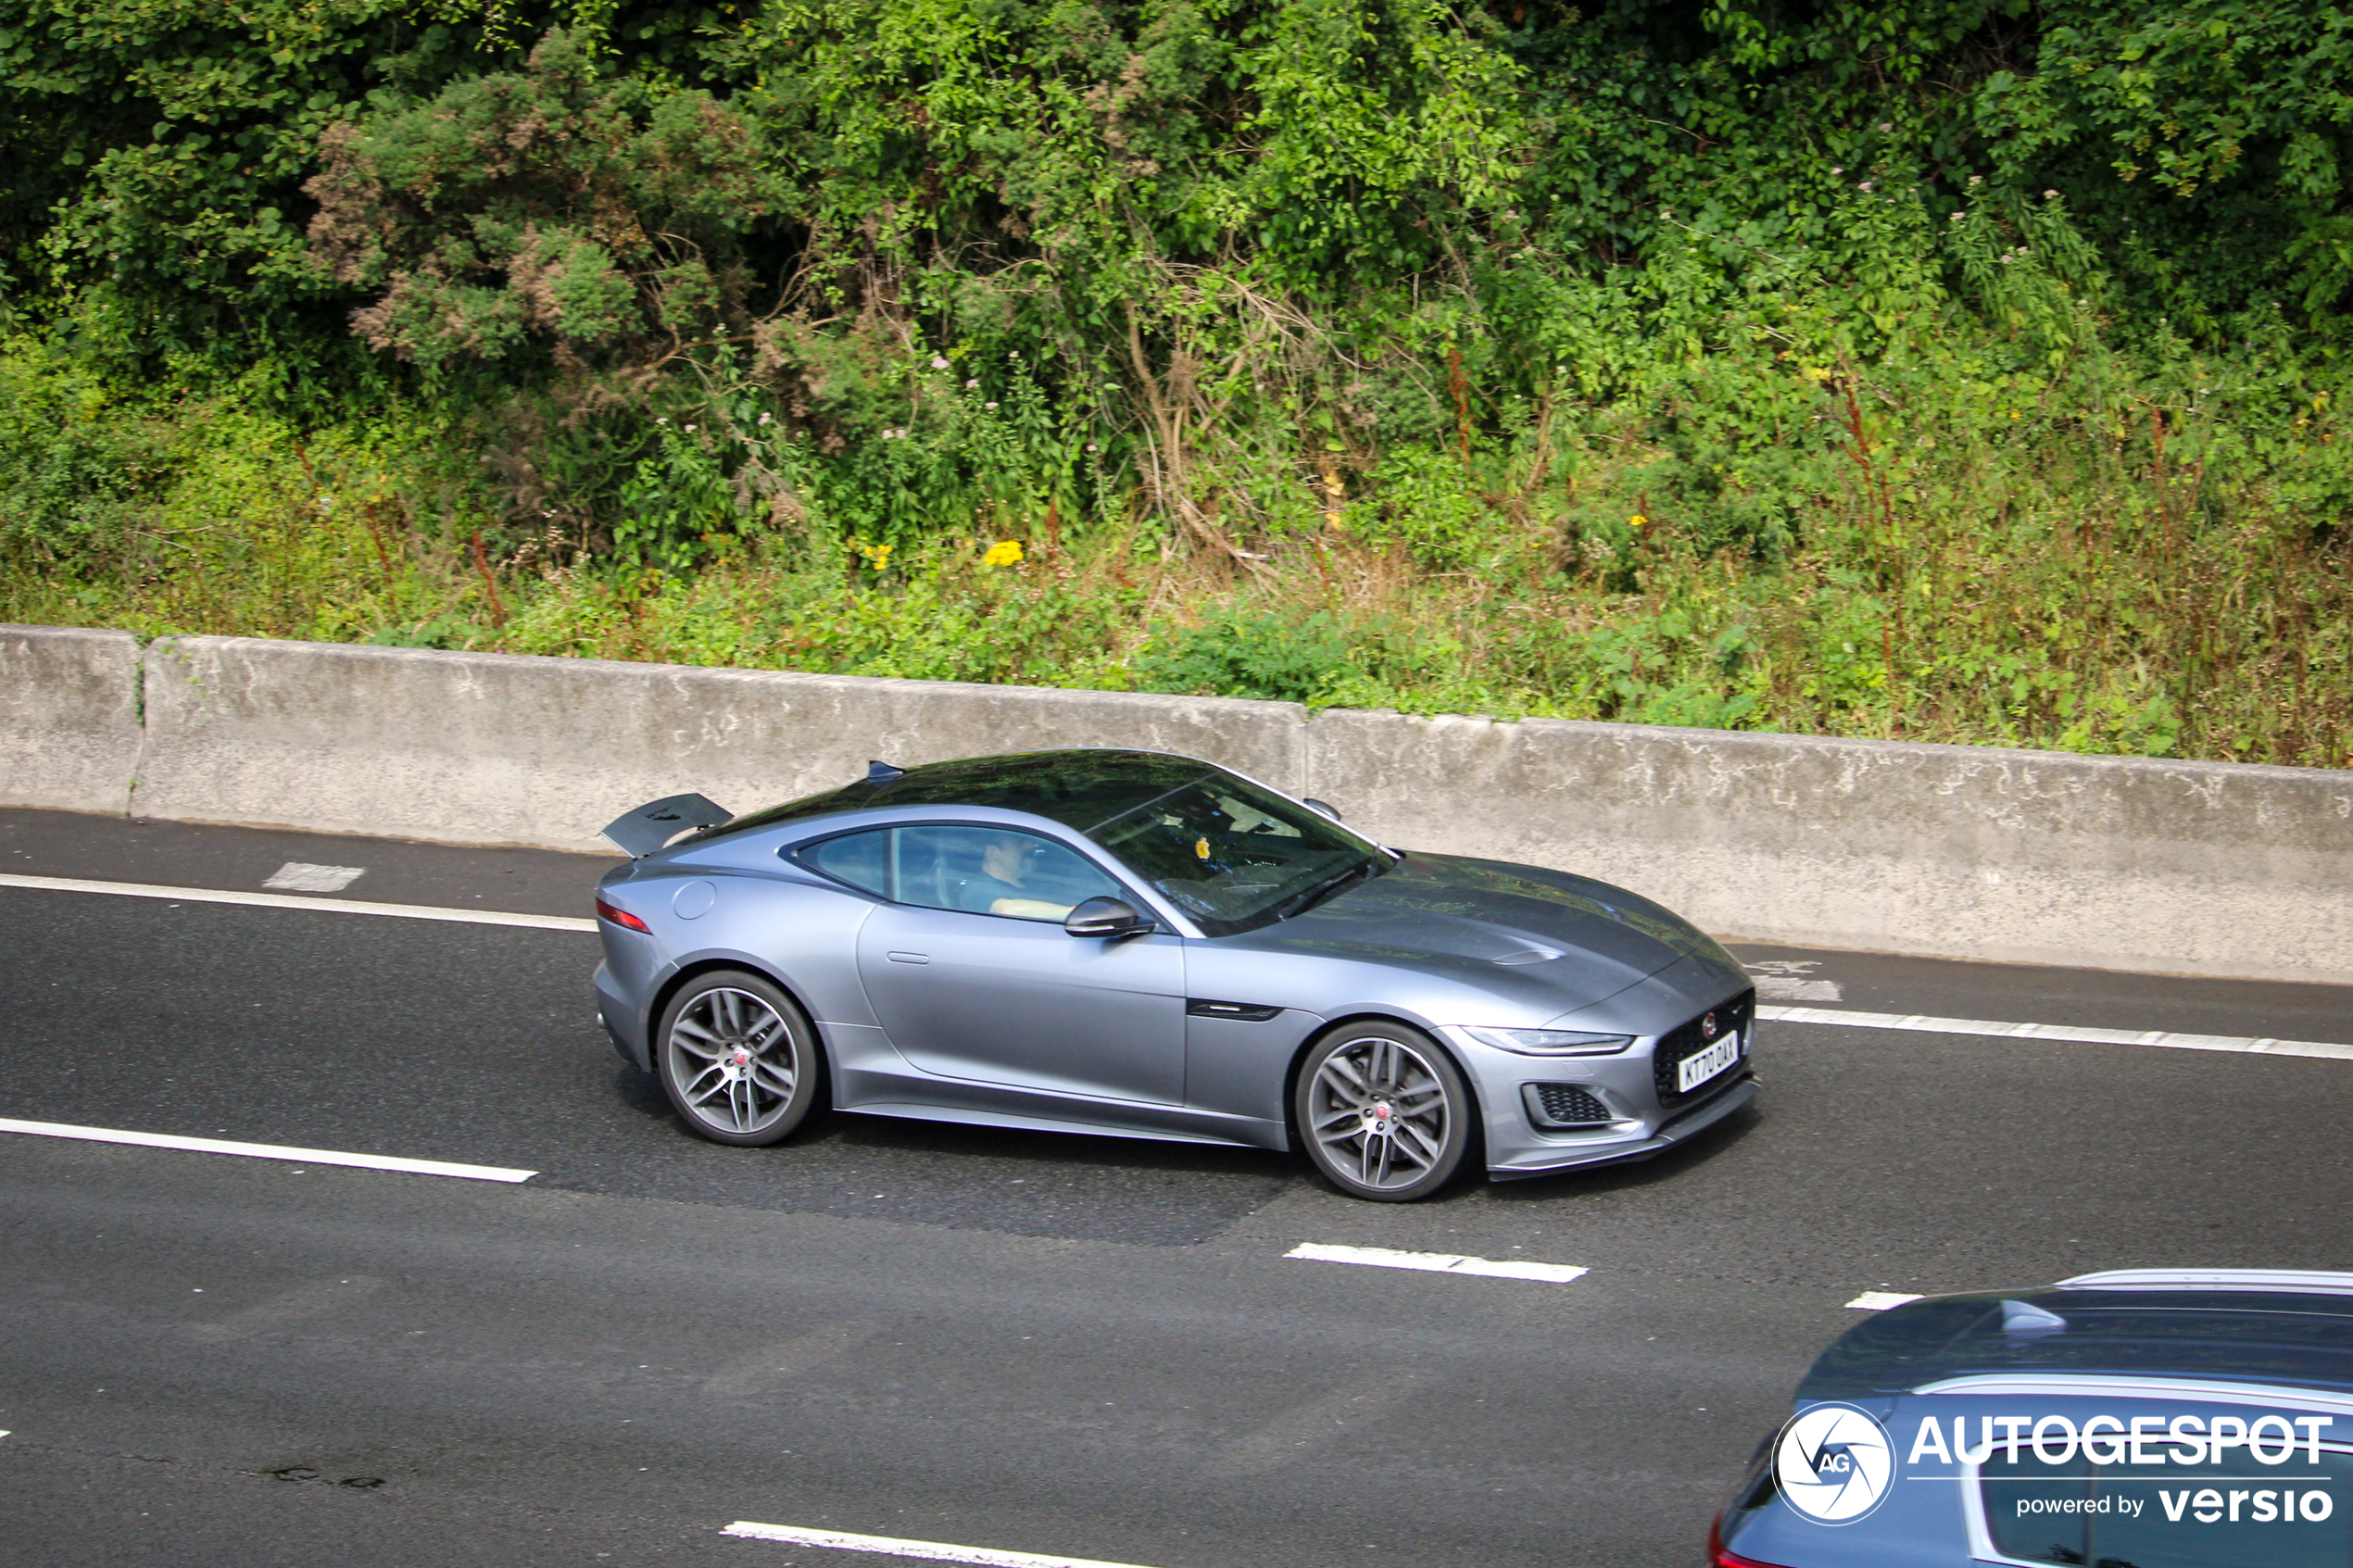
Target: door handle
x=910, y=958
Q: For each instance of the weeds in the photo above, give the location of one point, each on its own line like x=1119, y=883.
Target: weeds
x=1952, y=553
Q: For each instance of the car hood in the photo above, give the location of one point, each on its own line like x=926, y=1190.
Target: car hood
x=1582, y=937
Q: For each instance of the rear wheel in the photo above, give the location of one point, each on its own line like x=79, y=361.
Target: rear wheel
x=738, y=1061
x=1384, y=1113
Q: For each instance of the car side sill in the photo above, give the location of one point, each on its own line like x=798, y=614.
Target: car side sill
x=972, y=1118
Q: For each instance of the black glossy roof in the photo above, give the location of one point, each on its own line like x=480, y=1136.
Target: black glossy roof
x=1080, y=789
x=2288, y=1338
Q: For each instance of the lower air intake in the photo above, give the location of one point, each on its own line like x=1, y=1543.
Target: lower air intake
x=1566, y=1105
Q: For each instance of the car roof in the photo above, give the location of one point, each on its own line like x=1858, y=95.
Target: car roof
x=2292, y=1330
x=1081, y=788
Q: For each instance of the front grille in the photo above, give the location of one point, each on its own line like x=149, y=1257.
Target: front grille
x=1687, y=1039
x=1566, y=1105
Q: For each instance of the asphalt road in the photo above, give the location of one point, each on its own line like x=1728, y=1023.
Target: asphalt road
x=1080, y=1347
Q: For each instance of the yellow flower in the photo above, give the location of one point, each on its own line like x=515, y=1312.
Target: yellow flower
x=1005, y=552
x=1638, y=520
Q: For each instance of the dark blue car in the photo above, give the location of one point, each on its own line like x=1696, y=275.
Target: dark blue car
x=2139, y=1419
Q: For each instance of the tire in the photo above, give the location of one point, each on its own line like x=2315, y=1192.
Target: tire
x=737, y=1058
x=1384, y=1113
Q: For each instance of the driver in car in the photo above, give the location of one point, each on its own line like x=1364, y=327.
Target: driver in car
x=1006, y=864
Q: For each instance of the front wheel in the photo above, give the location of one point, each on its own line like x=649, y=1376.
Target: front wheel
x=1384, y=1113
x=738, y=1061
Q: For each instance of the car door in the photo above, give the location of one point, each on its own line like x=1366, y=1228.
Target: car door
x=972, y=977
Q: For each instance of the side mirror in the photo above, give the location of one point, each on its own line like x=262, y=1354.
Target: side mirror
x=1105, y=917
x=1314, y=805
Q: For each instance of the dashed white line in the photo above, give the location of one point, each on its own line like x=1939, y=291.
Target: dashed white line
x=1921, y=1023
x=890, y=1546
x=290, y=901
x=1437, y=1263
x=266, y=1151
x=301, y=876
x=1880, y=1300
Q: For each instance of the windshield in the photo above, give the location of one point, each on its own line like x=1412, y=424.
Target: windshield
x=1233, y=856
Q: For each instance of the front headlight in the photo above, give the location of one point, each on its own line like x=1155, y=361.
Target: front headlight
x=1551, y=1042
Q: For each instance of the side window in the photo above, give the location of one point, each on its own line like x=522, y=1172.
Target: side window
x=862, y=859
x=2034, y=1512
x=994, y=872
x=2274, y=1498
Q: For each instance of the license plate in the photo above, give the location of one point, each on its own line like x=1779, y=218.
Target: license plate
x=1694, y=1071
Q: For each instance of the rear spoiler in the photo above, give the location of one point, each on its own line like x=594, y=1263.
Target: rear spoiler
x=647, y=828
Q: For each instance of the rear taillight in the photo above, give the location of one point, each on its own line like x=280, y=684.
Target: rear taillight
x=620, y=916
x=1720, y=1556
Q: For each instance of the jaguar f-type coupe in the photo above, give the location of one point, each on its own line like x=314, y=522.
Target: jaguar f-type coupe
x=1150, y=946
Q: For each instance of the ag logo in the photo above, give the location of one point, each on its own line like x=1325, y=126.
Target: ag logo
x=1834, y=1463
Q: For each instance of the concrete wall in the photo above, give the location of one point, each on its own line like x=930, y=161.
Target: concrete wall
x=1955, y=851
x=68, y=718
x=2186, y=867
x=501, y=748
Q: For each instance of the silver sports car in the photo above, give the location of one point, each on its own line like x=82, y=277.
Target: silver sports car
x=1150, y=946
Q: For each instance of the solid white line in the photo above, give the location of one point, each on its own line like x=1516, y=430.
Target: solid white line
x=891, y=1545
x=1880, y=1300
x=1921, y=1024
x=292, y=901
x=1437, y=1263
x=268, y=1152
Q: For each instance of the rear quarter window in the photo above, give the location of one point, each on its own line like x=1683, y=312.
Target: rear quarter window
x=862, y=859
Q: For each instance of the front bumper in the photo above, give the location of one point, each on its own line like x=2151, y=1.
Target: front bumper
x=1540, y=1114
x=1567, y=1151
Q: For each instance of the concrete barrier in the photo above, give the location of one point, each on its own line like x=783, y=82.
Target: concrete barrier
x=502, y=748
x=2186, y=868
x=68, y=718
x=1950, y=851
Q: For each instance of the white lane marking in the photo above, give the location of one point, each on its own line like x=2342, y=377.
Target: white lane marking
x=1437, y=1263
x=1789, y=980
x=1922, y=1024
x=1880, y=1300
x=301, y=876
x=266, y=1151
x=288, y=901
x=891, y=1545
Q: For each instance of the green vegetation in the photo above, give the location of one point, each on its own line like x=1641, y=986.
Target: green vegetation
x=1945, y=371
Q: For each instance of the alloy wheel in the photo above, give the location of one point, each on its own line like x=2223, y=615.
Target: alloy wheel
x=1379, y=1112
x=733, y=1061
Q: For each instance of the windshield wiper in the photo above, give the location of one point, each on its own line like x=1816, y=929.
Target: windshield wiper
x=1301, y=903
